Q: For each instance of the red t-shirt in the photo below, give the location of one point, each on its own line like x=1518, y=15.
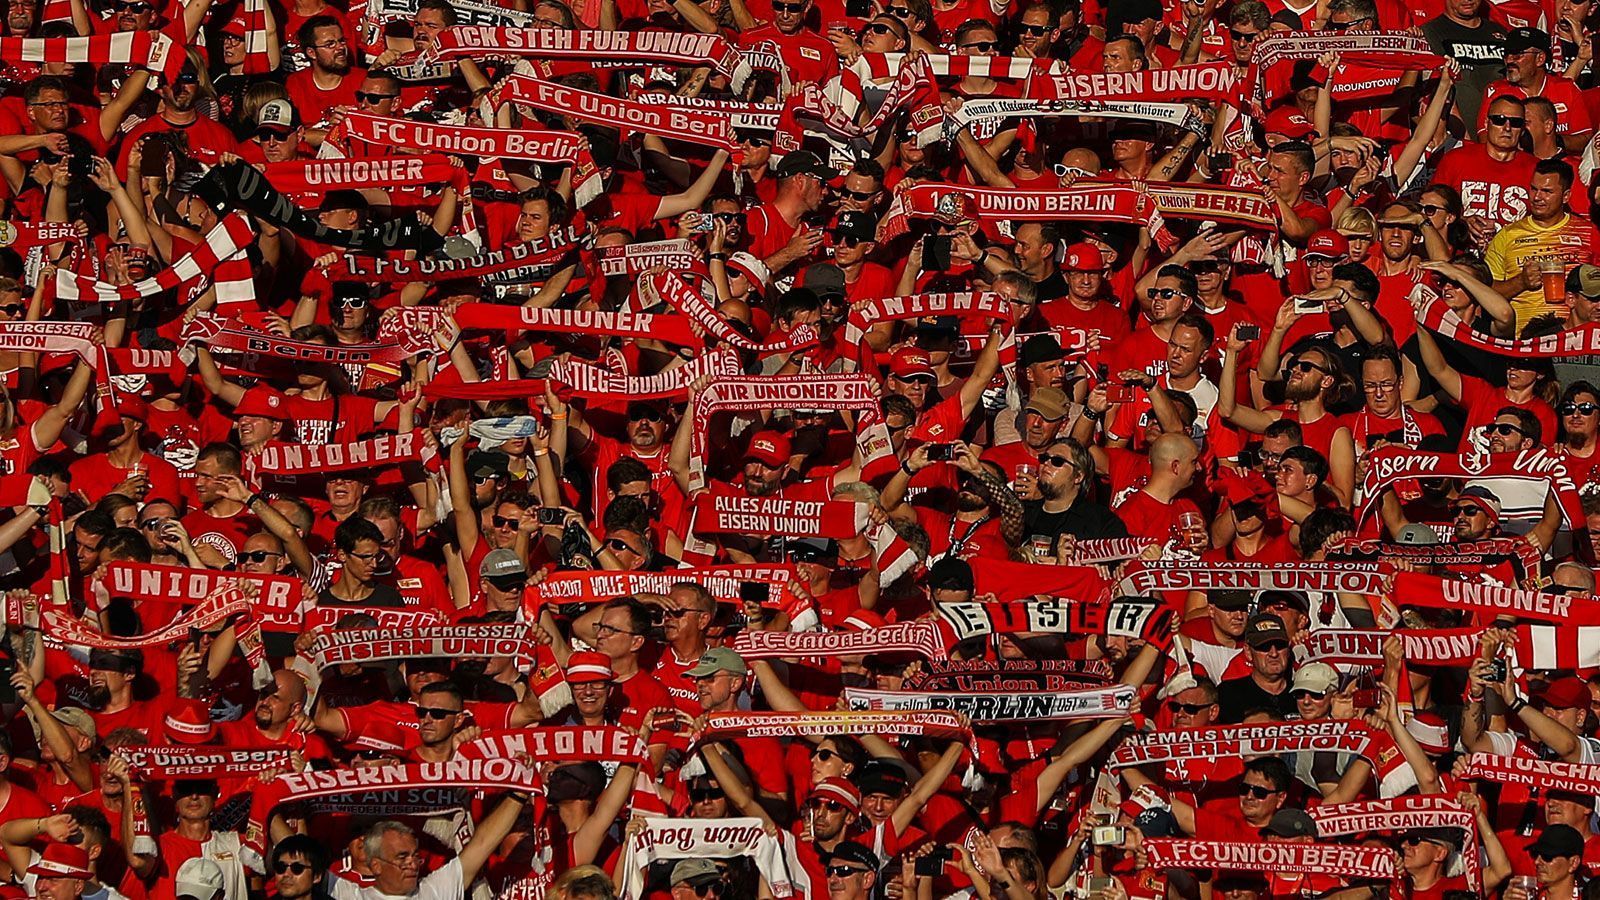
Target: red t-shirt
x=809, y=56
x=1490, y=188
x=313, y=102
x=96, y=477
x=203, y=133
x=1572, y=116
x=1483, y=401
x=1148, y=517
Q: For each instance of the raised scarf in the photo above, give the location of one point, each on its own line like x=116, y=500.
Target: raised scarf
x=308, y=459
x=49, y=337
x=393, y=620
x=215, y=610
x=275, y=599
x=304, y=176
x=1228, y=206
x=633, y=259
x=741, y=514
x=500, y=317
x=1489, y=600
x=24, y=236
x=1218, y=81
x=217, y=333
x=1528, y=771
x=522, y=261
x=1177, y=115
x=225, y=241
x=869, y=312
x=1517, y=550
x=1213, y=741
x=969, y=619
x=1387, y=465
x=1007, y=581
x=571, y=377
x=158, y=51
x=705, y=128
x=661, y=838
x=175, y=763
x=725, y=584
x=1583, y=340
x=337, y=647
x=885, y=65
x=1105, y=550
x=672, y=290
x=989, y=675
x=1390, y=51
x=1344, y=860
x=741, y=115
x=1397, y=815
x=1145, y=576
x=1364, y=647
x=1114, y=702
x=912, y=91
x=923, y=637
x=812, y=724
x=812, y=392
x=1097, y=203
x=649, y=45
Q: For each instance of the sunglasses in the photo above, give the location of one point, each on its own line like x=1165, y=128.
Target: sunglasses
x=845, y=240
x=1314, y=695
x=297, y=868
x=618, y=545
x=1466, y=509
x=982, y=46
x=1306, y=365
x=1505, y=120
x=1051, y=459
x=823, y=753
x=485, y=479
x=1035, y=30
x=708, y=889
x=1578, y=409
x=1190, y=708
x=644, y=415
x=754, y=140
x=844, y=871
x=351, y=302
x=1162, y=293
x=1502, y=428
x=1272, y=647
x=876, y=28
x=899, y=12
x=515, y=587
x=829, y=805
x=267, y=135
x=155, y=522
x=702, y=794
x=788, y=7
x=434, y=712
x=138, y=6
x=1257, y=791
x=858, y=196
x=1243, y=37
x=1205, y=266
x=503, y=522
x=255, y=556
x=373, y=99
x=13, y=309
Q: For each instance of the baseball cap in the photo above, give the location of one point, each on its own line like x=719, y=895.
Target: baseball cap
x=1229, y=599
x=263, y=402
x=503, y=567
x=837, y=788
x=1585, y=280
x=1289, y=122
x=909, y=362
x=1484, y=499
x=1040, y=348
x=198, y=877
x=487, y=463
x=62, y=861
x=132, y=406
x=587, y=666
x=1049, y=402
x=749, y=266
x=73, y=717
x=236, y=26
x=1318, y=678
x=189, y=723
x=575, y=781
x=1520, y=40
x=823, y=279
x=949, y=326
x=278, y=115
x=856, y=224
x=1291, y=823
x=771, y=448
x=1264, y=629
x=882, y=776
x=1570, y=692
x=804, y=162
x=1083, y=257
x=1156, y=822
x=695, y=872
x=851, y=851
x=1415, y=534
x=1327, y=244
x=717, y=659
x=1557, y=841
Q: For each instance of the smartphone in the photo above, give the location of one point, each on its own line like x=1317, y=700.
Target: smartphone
x=1367, y=698
x=1497, y=671
x=1119, y=392
x=1306, y=305
x=756, y=593
x=933, y=864
x=941, y=452
x=858, y=9
x=1109, y=835
x=1102, y=373
x=705, y=224
x=1220, y=161
x=8, y=667
x=550, y=515
x=666, y=720
x=936, y=253
x=1249, y=332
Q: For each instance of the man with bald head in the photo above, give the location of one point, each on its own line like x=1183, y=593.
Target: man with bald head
x=1155, y=510
x=272, y=724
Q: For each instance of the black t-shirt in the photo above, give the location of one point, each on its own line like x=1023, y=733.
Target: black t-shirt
x=1084, y=520
x=1052, y=288
x=1471, y=47
x=383, y=596
x=1238, y=696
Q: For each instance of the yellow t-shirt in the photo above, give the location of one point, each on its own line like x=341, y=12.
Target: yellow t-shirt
x=1572, y=240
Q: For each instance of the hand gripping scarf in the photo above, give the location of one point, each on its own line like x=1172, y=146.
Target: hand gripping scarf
x=1580, y=341
x=912, y=91
x=648, y=326
x=276, y=602
x=633, y=47
x=1364, y=647
x=662, y=838
x=1232, y=207
x=239, y=185
x=1411, y=812
x=1178, y=115
x=752, y=393
x=938, y=725
x=305, y=459
x=705, y=128
x=1387, y=465
x=338, y=647
x=176, y=763
x=724, y=583
x=1337, y=735
x=24, y=236
x=49, y=337
x=522, y=261
x=953, y=65
x=672, y=290
x=224, y=242
x=219, y=334
x=1344, y=860
x=216, y=610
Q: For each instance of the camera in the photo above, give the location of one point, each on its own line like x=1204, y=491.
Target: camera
x=1109, y=835
x=550, y=515
x=941, y=452
x=1497, y=671
x=932, y=865
x=1249, y=332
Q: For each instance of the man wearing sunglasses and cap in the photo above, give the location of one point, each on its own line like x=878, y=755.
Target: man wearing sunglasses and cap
x=648, y=421
x=179, y=116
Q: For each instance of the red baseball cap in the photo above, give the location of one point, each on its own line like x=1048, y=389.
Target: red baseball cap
x=132, y=406
x=1084, y=257
x=770, y=448
x=62, y=861
x=910, y=362
x=1570, y=692
x=263, y=402
x=1327, y=243
x=236, y=26
x=1289, y=122
x=189, y=724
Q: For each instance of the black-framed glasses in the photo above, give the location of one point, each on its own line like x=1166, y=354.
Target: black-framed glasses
x=902, y=13
x=364, y=557
x=265, y=135
x=753, y=140
x=1507, y=121
x=373, y=99
x=255, y=556
x=1035, y=30
x=1306, y=365
x=1504, y=429
x=1163, y=293
x=982, y=46
x=709, y=889
x=298, y=868
x=703, y=794
x=1190, y=708
x=1257, y=791
x=1052, y=459
x=1314, y=695
x=602, y=629
x=1578, y=409
x=51, y=104
x=435, y=712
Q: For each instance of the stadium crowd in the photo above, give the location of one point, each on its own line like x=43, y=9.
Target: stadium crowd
x=799, y=448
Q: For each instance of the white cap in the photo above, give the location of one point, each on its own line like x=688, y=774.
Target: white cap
x=198, y=877
x=276, y=114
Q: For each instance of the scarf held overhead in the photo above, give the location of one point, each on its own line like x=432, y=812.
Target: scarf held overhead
x=633, y=47
x=1094, y=703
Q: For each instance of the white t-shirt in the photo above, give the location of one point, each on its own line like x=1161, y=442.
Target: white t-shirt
x=441, y=884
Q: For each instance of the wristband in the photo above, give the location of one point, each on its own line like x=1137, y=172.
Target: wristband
x=252, y=501
x=905, y=467
x=557, y=417
x=1093, y=415
x=538, y=453
x=1517, y=705
x=721, y=256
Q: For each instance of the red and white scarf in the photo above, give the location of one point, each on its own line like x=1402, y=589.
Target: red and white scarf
x=214, y=611
x=500, y=317
x=1229, y=206
x=49, y=337
x=913, y=91
x=175, y=763
x=742, y=514
x=672, y=290
x=571, y=377
x=305, y=176
x=1395, y=51
x=953, y=65
x=219, y=334
x=305, y=459
x=1387, y=465
x=1280, y=857
x=1097, y=203
x=1218, y=81
x=1490, y=600
x=741, y=115
x=1144, y=576
x=633, y=259
x=1364, y=647
x=867, y=313
x=1213, y=741
x=632, y=47
x=661, y=838
x=334, y=647
x=724, y=583
x=1112, y=702
x=158, y=51
x=225, y=242
x=275, y=599
x=924, y=637
x=938, y=725
x=1583, y=340
x=705, y=128
x=1528, y=771
x=1411, y=812
x=24, y=236
x=512, y=262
